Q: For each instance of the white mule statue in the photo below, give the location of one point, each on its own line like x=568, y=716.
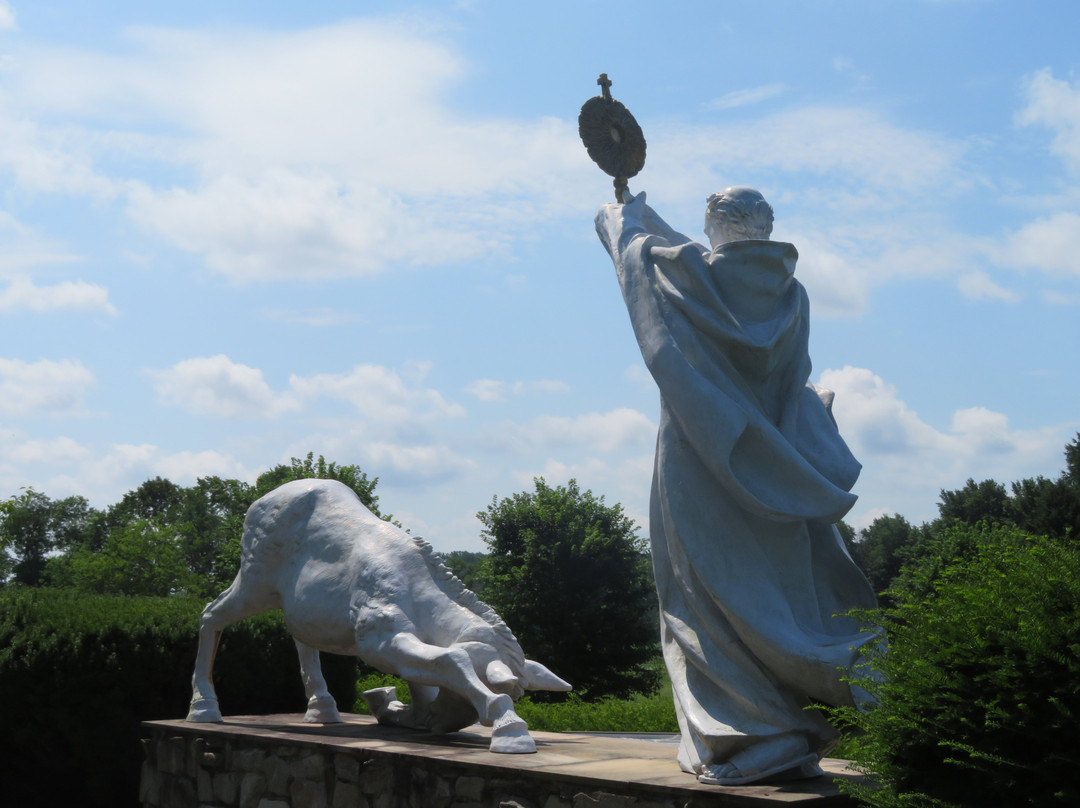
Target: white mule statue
x=351, y=583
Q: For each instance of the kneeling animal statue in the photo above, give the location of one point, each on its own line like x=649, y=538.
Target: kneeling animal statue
x=350, y=583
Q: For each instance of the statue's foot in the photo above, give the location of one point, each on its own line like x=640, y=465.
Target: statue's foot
x=204, y=711
x=510, y=736
x=322, y=711
x=783, y=758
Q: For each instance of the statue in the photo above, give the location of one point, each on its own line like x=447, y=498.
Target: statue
x=350, y=583
x=750, y=477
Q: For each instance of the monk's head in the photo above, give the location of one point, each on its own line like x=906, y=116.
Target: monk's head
x=737, y=213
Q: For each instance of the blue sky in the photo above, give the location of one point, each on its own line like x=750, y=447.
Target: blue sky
x=235, y=232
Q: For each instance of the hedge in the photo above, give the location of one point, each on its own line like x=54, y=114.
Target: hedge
x=978, y=695
x=78, y=673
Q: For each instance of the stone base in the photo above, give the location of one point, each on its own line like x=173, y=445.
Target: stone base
x=278, y=761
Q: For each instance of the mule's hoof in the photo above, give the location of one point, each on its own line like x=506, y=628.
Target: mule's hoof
x=322, y=711
x=510, y=736
x=204, y=711
x=379, y=699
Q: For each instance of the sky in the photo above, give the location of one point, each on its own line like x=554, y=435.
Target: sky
x=232, y=233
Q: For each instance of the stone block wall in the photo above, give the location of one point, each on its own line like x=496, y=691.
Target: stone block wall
x=194, y=771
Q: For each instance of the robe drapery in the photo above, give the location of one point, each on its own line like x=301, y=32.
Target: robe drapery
x=750, y=476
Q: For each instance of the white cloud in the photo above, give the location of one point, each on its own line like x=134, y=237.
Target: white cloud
x=906, y=461
x=1049, y=245
x=7, y=17
x=979, y=286
x=44, y=387
x=22, y=293
x=186, y=467
x=846, y=66
x=318, y=317
x=742, y=98
x=21, y=248
x=850, y=147
x=598, y=432
x=492, y=390
x=1055, y=104
x=103, y=477
x=410, y=464
x=379, y=393
x=489, y=390
x=216, y=385
x=327, y=151
x=639, y=376
x=60, y=449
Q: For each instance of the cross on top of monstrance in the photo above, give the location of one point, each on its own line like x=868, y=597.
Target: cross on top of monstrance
x=612, y=137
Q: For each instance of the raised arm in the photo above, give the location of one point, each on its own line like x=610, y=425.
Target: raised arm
x=618, y=225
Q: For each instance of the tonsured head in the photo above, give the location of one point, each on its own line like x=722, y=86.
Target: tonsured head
x=737, y=213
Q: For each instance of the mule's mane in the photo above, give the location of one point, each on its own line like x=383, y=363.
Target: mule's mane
x=506, y=642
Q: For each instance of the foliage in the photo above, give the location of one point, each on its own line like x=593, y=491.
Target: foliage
x=978, y=695
x=32, y=526
x=975, y=502
x=471, y=569
x=573, y=580
x=882, y=549
x=309, y=468
x=160, y=539
x=81, y=671
x=638, y=713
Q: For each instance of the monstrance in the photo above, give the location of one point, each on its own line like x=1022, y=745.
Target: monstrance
x=612, y=137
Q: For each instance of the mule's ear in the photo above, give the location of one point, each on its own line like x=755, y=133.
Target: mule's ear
x=502, y=680
x=537, y=677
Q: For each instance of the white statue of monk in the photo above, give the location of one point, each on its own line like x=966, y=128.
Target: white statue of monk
x=750, y=477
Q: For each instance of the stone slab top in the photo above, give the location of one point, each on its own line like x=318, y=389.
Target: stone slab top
x=583, y=758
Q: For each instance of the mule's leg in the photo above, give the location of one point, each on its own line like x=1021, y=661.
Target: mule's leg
x=321, y=707
x=230, y=606
x=451, y=668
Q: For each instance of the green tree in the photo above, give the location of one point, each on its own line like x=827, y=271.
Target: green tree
x=33, y=527
x=573, y=580
x=1051, y=507
x=142, y=557
x=471, y=569
x=976, y=502
x=310, y=468
x=209, y=526
x=883, y=548
x=977, y=695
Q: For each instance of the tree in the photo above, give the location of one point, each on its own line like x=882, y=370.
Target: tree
x=310, y=468
x=33, y=526
x=209, y=527
x=976, y=502
x=142, y=557
x=573, y=580
x=883, y=548
x=1051, y=507
x=976, y=696
x=471, y=570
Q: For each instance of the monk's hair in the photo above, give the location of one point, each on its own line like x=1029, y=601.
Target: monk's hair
x=742, y=211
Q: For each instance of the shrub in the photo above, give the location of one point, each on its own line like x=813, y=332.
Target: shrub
x=79, y=672
x=979, y=693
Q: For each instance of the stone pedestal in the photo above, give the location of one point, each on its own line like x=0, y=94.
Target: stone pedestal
x=278, y=761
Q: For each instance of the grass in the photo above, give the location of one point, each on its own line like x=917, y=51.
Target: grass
x=639, y=713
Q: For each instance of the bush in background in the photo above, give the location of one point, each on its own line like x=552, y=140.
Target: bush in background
x=78, y=673
x=979, y=692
